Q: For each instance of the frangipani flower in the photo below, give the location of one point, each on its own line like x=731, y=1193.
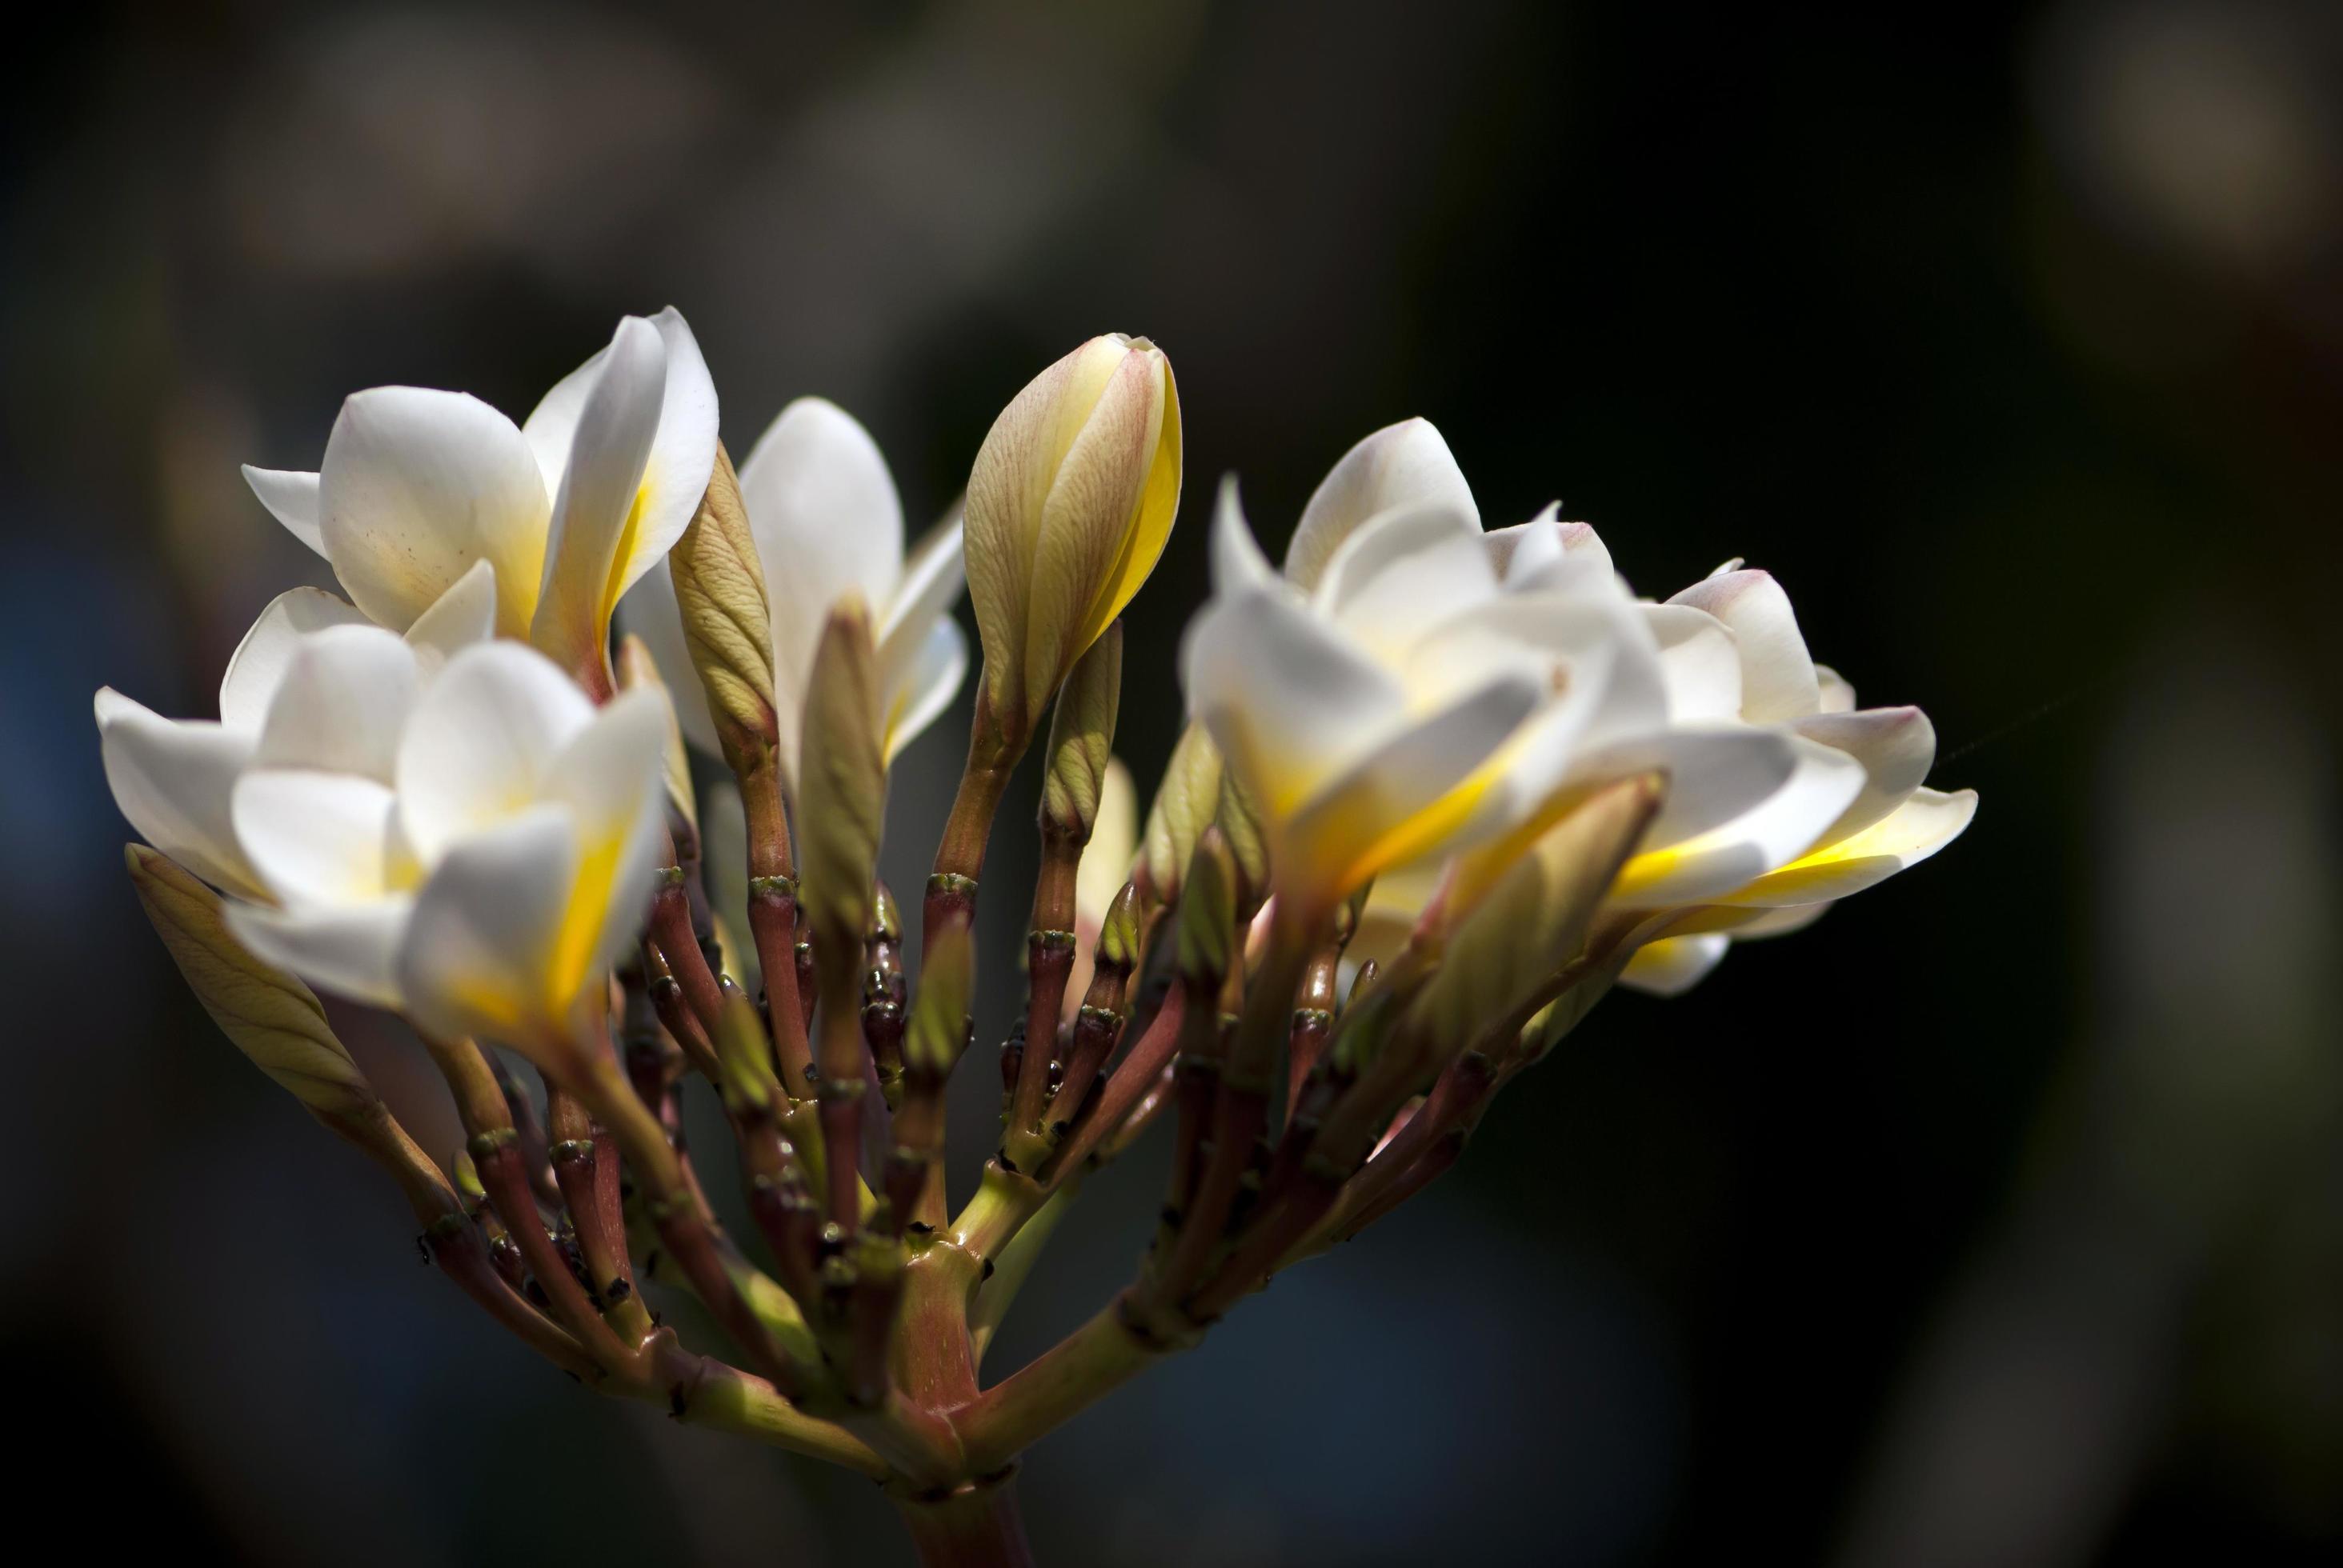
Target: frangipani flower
x=472, y=851
x=1436, y=686
x=175, y=779
x=569, y=509
x=1893, y=821
x=827, y=523
x=1069, y=503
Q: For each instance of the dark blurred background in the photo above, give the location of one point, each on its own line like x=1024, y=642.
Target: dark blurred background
x=1996, y=1220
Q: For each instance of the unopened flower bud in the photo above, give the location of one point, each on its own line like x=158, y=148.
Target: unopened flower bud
x=1534, y=920
x=1069, y=503
x=845, y=782
x=272, y=1018
x=1184, y=804
x=720, y=590
x=1082, y=739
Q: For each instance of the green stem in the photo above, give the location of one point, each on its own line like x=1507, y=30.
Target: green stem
x=1062, y=1383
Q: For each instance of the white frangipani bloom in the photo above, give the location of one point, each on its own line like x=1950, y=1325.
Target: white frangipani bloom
x=571, y=508
x=1892, y=822
x=827, y=523
x=1411, y=686
x=472, y=851
x=175, y=779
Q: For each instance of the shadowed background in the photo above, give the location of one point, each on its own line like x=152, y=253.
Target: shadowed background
x=1998, y=1219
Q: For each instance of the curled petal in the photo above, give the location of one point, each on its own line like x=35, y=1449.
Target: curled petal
x=417, y=486
x=291, y=496
x=477, y=954
x=1402, y=465
x=1777, y=675
x=257, y=666
x=342, y=703
x=481, y=741
x=1673, y=965
x=173, y=780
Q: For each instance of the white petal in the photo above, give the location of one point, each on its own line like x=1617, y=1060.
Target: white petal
x=342, y=703
x=610, y=449
x=351, y=952
x=291, y=496
x=1700, y=661
x=1237, y=562
x=464, y=614
x=1288, y=700
x=649, y=611
x=1402, y=465
x=1672, y=965
x=934, y=574
x=479, y=741
x=1781, y=922
x=1717, y=774
x=1403, y=801
x=478, y=956
x=683, y=455
x=259, y=663
x=417, y=486
x=1837, y=696
x=611, y=777
x=317, y=839
x=1777, y=675
x=918, y=691
x=1405, y=572
x=1915, y=830
x=1896, y=746
x=826, y=519
x=1777, y=831
x=172, y=781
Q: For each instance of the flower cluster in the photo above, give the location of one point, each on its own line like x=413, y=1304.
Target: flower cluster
x=1443, y=787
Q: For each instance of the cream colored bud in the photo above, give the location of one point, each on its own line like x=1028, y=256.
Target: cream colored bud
x=1082, y=739
x=271, y=1017
x=1185, y=802
x=720, y=590
x=637, y=671
x=938, y=1025
x=1237, y=819
x=843, y=790
x=1534, y=920
x=1070, y=502
x=1208, y=913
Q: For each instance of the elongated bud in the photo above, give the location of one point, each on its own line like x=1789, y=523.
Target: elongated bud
x=1240, y=825
x=939, y=1028
x=1082, y=739
x=1534, y=921
x=1070, y=502
x=272, y=1018
x=845, y=784
x=1118, y=939
x=636, y=671
x=1185, y=802
x=719, y=588
x=1208, y=909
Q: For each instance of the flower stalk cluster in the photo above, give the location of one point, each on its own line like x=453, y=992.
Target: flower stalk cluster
x=1442, y=789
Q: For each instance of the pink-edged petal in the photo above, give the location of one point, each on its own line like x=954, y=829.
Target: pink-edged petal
x=1402, y=465
x=1777, y=675
x=1700, y=661
x=1896, y=746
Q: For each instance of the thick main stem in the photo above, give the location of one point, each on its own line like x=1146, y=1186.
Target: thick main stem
x=977, y=1526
